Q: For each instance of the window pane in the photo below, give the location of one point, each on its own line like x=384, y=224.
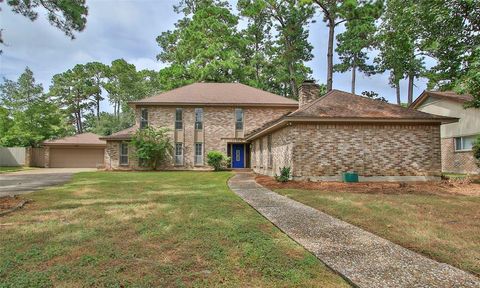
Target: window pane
x=239, y=119
x=179, y=118
x=179, y=114
x=468, y=142
x=198, y=153
x=144, y=118
x=179, y=153
x=123, y=153
x=198, y=118
x=458, y=143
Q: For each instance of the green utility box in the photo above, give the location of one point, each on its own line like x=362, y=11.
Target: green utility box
x=350, y=177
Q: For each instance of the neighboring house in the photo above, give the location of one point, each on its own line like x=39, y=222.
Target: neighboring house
x=79, y=151
x=318, y=138
x=457, y=138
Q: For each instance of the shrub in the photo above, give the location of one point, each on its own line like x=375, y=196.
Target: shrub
x=217, y=160
x=285, y=173
x=476, y=150
x=152, y=146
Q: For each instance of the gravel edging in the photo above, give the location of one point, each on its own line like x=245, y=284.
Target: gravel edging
x=364, y=259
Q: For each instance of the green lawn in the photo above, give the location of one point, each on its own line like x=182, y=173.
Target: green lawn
x=150, y=229
x=443, y=227
x=4, y=169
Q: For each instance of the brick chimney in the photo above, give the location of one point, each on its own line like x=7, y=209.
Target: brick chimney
x=308, y=92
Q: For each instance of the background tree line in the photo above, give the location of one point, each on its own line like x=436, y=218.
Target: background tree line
x=29, y=115
x=261, y=43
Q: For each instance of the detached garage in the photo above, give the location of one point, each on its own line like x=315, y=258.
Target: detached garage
x=80, y=151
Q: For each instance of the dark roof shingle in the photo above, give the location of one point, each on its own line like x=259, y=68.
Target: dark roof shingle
x=79, y=139
x=217, y=94
x=124, y=134
x=340, y=104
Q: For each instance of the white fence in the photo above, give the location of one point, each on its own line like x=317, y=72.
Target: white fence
x=12, y=156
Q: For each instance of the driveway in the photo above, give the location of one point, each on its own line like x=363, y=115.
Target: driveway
x=31, y=180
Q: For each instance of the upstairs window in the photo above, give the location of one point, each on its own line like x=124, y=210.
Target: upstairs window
x=464, y=143
x=198, y=118
x=179, y=118
x=144, y=118
x=238, y=118
x=123, y=153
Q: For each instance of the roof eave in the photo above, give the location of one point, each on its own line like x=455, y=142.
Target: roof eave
x=135, y=103
x=116, y=138
x=74, y=144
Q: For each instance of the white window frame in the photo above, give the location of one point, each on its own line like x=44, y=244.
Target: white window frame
x=261, y=152
x=269, y=151
x=461, y=138
x=143, y=121
x=198, y=118
x=242, y=121
x=121, y=155
x=198, y=158
x=179, y=157
x=179, y=123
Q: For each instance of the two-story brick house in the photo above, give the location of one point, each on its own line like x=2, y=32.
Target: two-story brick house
x=318, y=137
x=201, y=117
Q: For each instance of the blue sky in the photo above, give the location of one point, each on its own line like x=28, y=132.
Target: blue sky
x=127, y=29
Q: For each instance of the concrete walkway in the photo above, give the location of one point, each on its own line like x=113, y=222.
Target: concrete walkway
x=363, y=258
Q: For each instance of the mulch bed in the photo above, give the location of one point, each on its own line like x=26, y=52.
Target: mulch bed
x=444, y=187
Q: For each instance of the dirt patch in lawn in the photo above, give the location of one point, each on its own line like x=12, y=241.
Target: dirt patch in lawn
x=8, y=203
x=468, y=186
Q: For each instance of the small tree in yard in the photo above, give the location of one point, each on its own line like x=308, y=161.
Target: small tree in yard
x=152, y=146
x=217, y=160
x=476, y=150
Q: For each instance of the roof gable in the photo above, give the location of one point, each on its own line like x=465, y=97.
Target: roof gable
x=221, y=94
x=445, y=95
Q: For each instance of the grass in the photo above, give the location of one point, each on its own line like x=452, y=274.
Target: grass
x=454, y=175
x=8, y=169
x=150, y=229
x=443, y=227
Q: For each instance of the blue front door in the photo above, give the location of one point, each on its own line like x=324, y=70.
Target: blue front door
x=238, y=156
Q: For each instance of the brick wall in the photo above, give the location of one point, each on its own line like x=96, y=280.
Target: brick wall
x=281, y=152
x=327, y=150
x=218, y=124
x=457, y=162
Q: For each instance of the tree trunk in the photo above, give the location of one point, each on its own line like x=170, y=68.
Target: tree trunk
x=80, y=121
x=397, y=91
x=411, y=78
x=98, y=107
x=331, y=36
x=293, y=85
x=354, y=76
